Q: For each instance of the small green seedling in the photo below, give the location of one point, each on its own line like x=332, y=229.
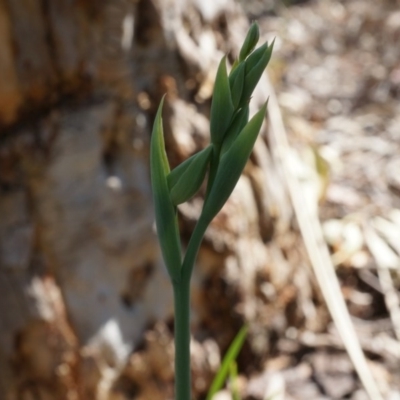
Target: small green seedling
x=232, y=140
x=233, y=381
x=228, y=365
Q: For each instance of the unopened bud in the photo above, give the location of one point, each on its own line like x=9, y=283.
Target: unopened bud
x=221, y=105
x=250, y=42
x=191, y=178
x=255, y=67
x=231, y=166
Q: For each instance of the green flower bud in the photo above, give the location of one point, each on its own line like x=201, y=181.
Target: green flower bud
x=255, y=67
x=166, y=222
x=190, y=178
x=250, y=42
x=178, y=171
x=221, y=106
x=231, y=166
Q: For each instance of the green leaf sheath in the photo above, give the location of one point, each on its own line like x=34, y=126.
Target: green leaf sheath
x=222, y=108
x=236, y=80
x=166, y=222
x=192, y=178
x=239, y=122
x=231, y=166
x=250, y=42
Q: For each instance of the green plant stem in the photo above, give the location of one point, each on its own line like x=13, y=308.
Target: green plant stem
x=182, y=315
x=182, y=340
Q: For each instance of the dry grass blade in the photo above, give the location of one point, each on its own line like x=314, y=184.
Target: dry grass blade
x=375, y=245
x=317, y=249
x=390, y=231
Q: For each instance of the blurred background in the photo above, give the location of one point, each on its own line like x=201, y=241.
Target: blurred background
x=85, y=301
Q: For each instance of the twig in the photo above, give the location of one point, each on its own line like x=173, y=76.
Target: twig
x=317, y=249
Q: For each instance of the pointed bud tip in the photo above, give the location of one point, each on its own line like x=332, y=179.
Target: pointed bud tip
x=272, y=43
x=263, y=109
x=160, y=108
x=162, y=99
x=250, y=42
